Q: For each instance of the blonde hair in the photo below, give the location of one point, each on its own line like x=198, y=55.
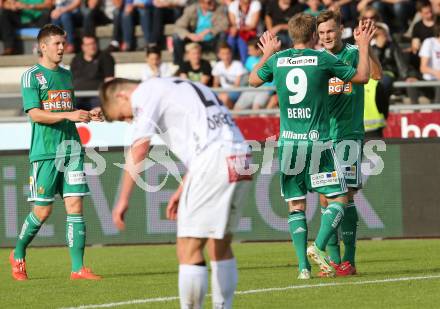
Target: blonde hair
x=302, y=27
x=107, y=91
x=192, y=46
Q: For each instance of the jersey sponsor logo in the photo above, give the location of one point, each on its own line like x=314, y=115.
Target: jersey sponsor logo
x=299, y=113
x=338, y=86
x=41, y=80
x=293, y=135
x=58, y=100
x=40, y=190
x=220, y=119
x=313, y=135
x=324, y=179
x=297, y=61
x=76, y=178
x=349, y=172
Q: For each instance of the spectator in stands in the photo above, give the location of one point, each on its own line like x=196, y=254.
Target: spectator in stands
x=19, y=14
x=253, y=99
x=228, y=74
x=195, y=68
x=90, y=68
x=314, y=7
x=244, y=16
x=67, y=15
x=203, y=22
x=278, y=13
x=94, y=16
x=395, y=13
x=422, y=30
x=154, y=66
x=430, y=59
x=165, y=11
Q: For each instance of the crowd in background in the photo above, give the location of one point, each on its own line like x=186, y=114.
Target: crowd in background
x=407, y=41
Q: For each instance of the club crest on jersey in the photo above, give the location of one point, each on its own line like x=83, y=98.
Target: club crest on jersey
x=58, y=100
x=297, y=61
x=337, y=86
x=41, y=80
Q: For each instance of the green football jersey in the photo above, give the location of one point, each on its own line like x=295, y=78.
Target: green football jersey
x=50, y=90
x=346, y=101
x=301, y=79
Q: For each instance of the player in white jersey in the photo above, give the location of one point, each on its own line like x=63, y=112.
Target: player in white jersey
x=200, y=131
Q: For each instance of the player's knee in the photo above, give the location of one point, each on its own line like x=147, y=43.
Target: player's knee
x=323, y=200
x=220, y=249
x=73, y=205
x=42, y=212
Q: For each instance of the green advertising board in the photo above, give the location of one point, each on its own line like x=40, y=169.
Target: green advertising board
x=264, y=216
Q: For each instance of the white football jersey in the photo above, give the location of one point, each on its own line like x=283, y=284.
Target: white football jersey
x=186, y=115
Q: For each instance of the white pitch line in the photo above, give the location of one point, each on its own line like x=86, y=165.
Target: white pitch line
x=292, y=287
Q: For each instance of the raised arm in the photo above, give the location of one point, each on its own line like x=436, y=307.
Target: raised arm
x=269, y=45
x=363, y=36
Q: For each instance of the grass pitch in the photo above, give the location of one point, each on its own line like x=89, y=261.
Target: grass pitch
x=392, y=274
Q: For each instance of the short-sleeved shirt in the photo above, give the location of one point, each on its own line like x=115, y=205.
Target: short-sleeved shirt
x=301, y=79
x=228, y=75
x=422, y=32
x=195, y=75
x=346, y=101
x=50, y=90
x=431, y=49
x=187, y=116
x=280, y=16
x=88, y=75
x=244, y=18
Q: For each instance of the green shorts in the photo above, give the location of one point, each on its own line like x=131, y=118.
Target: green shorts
x=307, y=166
x=349, y=154
x=51, y=177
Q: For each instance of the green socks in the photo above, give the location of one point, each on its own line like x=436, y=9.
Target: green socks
x=30, y=228
x=76, y=240
x=298, y=233
x=349, y=228
x=333, y=247
x=330, y=220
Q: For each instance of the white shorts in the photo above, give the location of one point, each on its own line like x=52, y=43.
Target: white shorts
x=213, y=192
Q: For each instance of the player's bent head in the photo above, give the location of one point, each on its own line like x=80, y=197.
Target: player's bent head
x=302, y=28
x=115, y=98
x=327, y=15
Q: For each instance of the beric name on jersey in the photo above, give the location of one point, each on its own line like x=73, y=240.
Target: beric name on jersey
x=337, y=86
x=298, y=112
x=58, y=100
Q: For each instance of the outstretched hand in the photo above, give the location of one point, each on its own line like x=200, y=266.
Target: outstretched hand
x=365, y=32
x=96, y=114
x=269, y=44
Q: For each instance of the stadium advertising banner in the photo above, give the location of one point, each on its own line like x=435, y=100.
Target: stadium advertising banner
x=413, y=125
x=380, y=203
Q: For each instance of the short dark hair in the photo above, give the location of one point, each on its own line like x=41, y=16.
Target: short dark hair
x=153, y=50
x=327, y=15
x=253, y=42
x=89, y=36
x=422, y=4
x=108, y=89
x=49, y=30
x=223, y=45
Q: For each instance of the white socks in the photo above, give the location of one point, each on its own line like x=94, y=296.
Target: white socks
x=193, y=284
x=224, y=279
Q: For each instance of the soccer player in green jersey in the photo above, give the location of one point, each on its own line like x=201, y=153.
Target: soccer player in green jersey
x=347, y=132
x=301, y=77
x=56, y=154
